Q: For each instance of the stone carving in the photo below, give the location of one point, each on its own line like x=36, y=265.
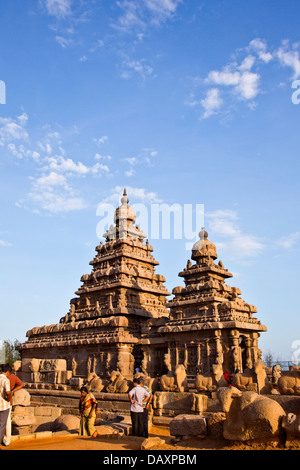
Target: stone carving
x=245, y=381
x=291, y=426
x=94, y=383
x=249, y=415
x=210, y=382
x=172, y=403
x=289, y=384
x=175, y=381
x=117, y=383
x=254, y=379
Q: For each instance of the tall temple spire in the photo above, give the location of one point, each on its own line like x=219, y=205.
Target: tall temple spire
x=124, y=220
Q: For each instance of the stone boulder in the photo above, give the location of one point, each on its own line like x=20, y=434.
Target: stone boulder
x=188, y=425
x=21, y=398
x=20, y=421
x=249, y=415
x=66, y=423
x=152, y=443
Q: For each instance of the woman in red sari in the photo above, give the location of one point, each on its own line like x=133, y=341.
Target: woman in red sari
x=88, y=413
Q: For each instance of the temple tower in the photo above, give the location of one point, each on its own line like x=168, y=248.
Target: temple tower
x=209, y=323
x=102, y=329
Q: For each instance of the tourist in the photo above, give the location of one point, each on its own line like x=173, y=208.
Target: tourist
x=4, y=398
x=137, y=396
x=15, y=385
x=88, y=407
x=146, y=404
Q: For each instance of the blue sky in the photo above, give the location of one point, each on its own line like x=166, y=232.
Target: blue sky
x=182, y=102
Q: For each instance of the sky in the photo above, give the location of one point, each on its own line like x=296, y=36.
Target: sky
x=187, y=104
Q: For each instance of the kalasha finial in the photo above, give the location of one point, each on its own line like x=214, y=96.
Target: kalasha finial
x=203, y=233
x=124, y=199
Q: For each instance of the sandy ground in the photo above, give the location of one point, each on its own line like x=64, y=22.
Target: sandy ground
x=124, y=443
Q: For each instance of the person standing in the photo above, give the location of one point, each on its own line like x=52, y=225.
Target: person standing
x=137, y=396
x=15, y=385
x=88, y=407
x=5, y=396
x=146, y=404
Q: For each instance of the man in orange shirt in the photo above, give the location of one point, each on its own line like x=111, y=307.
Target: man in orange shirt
x=4, y=399
x=15, y=384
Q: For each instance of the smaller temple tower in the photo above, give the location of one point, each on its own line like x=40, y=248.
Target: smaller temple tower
x=209, y=323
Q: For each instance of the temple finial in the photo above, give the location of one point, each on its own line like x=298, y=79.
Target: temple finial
x=124, y=198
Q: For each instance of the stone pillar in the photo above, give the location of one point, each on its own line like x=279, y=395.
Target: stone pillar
x=125, y=360
x=185, y=356
x=236, y=351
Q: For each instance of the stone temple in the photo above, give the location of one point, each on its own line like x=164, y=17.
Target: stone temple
x=121, y=317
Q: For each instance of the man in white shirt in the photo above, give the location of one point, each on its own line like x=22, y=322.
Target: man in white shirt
x=137, y=396
x=4, y=399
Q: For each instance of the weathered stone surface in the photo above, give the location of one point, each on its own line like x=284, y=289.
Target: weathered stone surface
x=22, y=420
x=291, y=425
x=172, y=403
x=66, y=423
x=47, y=411
x=215, y=423
x=152, y=443
x=107, y=431
x=21, y=397
x=250, y=416
x=188, y=425
x=289, y=383
x=23, y=410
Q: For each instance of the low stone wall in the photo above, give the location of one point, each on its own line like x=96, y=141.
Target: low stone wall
x=164, y=403
x=68, y=400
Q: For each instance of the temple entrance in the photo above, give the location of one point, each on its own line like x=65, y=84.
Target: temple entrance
x=243, y=353
x=138, y=355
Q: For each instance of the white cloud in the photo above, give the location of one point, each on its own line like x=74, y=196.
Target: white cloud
x=131, y=160
x=212, y=102
x=139, y=67
x=101, y=140
x=99, y=167
x=63, y=41
x=234, y=242
x=51, y=180
x=289, y=241
x=59, y=8
x=139, y=14
x=135, y=195
x=260, y=47
x=242, y=76
x=52, y=189
x=162, y=9
x=244, y=82
x=289, y=58
x=54, y=202
x=13, y=129
x=102, y=157
x=67, y=165
x=4, y=243
x=130, y=172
